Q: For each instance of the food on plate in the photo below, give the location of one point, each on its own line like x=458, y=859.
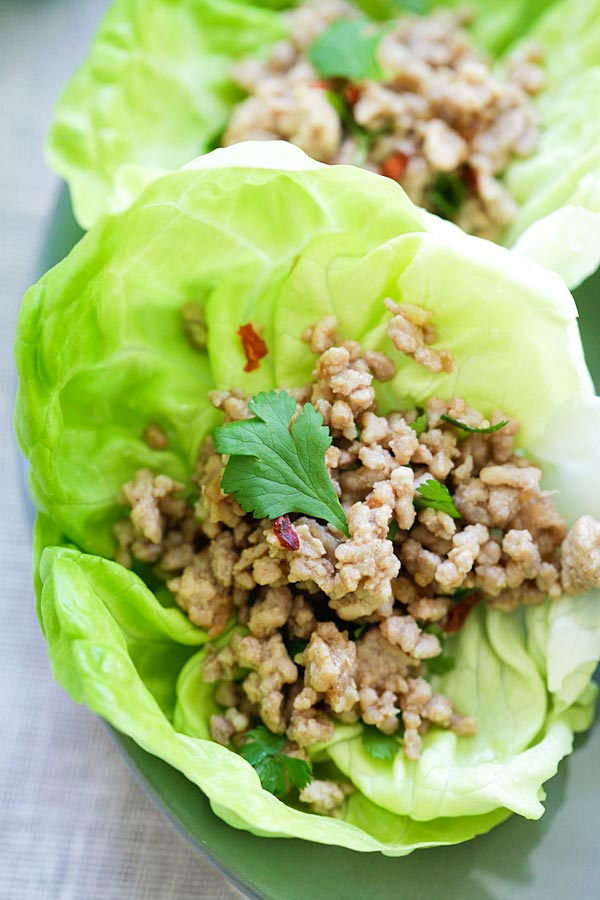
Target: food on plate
x=407, y=522
x=358, y=607
x=411, y=99
x=485, y=113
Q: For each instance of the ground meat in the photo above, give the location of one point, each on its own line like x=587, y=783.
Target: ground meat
x=271, y=670
x=309, y=727
x=389, y=580
x=440, y=123
x=581, y=556
x=366, y=564
x=146, y=495
x=271, y=612
x=330, y=666
x=410, y=331
x=325, y=797
x=156, y=437
x=203, y=595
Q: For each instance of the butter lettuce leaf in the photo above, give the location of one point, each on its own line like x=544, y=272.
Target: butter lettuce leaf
x=261, y=233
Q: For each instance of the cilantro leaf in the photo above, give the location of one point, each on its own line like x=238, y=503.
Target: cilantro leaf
x=379, y=745
x=278, y=772
x=471, y=428
x=393, y=530
x=420, y=424
x=347, y=49
x=275, y=468
x=436, y=496
x=447, y=194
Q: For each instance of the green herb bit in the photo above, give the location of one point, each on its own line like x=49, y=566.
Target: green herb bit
x=296, y=646
x=439, y=665
x=447, y=194
x=277, y=771
x=435, y=495
x=420, y=424
x=462, y=592
x=358, y=632
x=277, y=467
x=347, y=49
x=393, y=530
x=472, y=429
x=379, y=745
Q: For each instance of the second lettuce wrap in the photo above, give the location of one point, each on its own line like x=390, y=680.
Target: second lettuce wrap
x=156, y=91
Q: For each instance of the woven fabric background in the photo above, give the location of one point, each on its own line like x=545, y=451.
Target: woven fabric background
x=74, y=825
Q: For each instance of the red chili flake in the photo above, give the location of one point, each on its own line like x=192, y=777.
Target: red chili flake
x=253, y=345
x=322, y=85
x=286, y=533
x=470, y=177
x=352, y=94
x=458, y=615
x=395, y=165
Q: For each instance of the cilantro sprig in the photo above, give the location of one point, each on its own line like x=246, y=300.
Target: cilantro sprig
x=277, y=771
x=471, y=428
x=347, y=49
x=380, y=745
x=435, y=495
x=276, y=467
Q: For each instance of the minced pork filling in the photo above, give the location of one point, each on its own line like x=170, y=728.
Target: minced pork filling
x=435, y=118
x=442, y=514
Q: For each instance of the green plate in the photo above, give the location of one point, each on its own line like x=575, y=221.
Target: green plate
x=555, y=858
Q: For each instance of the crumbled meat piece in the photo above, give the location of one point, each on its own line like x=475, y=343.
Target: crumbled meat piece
x=422, y=564
x=330, y=663
x=365, y=564
x=302, y=621
x=382, y=367
x=271, y=670
x=379, y=709
x=194, y=324
x=325, y=797
x=221, y=730
x=321, y=336
x=271, y=612
x=581, y=556
x=380, y=665
x=409, y=334
x=520, y=477
x=144, y=494
x=520, y=547
x=205, y=599
x=450, y=574
x=156, y=437
x=309, y=727
x=404, y=632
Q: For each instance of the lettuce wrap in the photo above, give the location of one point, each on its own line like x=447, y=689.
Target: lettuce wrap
x=155, y=91
x=260, y=232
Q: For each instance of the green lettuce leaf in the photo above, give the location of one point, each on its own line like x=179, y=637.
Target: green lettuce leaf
x=155, y=91
x=261, y=233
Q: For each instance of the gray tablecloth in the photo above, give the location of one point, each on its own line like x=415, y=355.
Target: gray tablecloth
x=74, y=825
